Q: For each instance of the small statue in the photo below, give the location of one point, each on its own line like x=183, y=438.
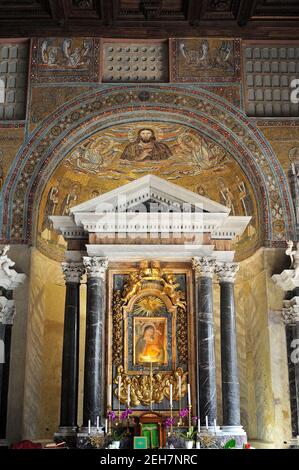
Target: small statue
x=294, y=255
x=5, y=262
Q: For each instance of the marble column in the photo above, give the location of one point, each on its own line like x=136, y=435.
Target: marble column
x=94, y=368
x=70, y=355
x=290, y=315
x=7, y=312
x=206, y=373
x=226, y=273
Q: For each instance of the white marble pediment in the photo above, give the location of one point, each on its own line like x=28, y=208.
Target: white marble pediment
x=149, y=188
x=151, y=205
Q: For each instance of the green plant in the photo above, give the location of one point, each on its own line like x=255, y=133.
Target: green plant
x=115, y=435
x=188, y=435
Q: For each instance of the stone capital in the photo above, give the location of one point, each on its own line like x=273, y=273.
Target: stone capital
x=7, y=311
x=9, y=278
x=287, y=281
x=95, y=266
x=72, y=271
x=290, y=311
x=226, y=272
x=203, y=266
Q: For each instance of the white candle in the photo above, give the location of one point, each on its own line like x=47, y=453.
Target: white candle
x=106, y=425
x=170, y=394
x=189, y=395
x=198, y=424
x=293, y=168
x=98, y=422
x=129, y=395
x=89, y=426
x=180, y=386
x=207, y=423
x=215, y=426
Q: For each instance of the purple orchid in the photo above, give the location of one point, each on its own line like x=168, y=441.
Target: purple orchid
x=125, y=414
x=194, y=420
x=184, y=412
x=169, y=422
x=111, y=415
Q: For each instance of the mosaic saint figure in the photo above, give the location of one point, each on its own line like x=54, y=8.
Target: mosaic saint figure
x=50, y=207
x=146, y=148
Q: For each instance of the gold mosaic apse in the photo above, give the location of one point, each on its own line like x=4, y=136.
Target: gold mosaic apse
x=115, y=156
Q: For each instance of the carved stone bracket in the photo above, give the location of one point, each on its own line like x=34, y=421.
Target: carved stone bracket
x=9, y=278
x=290, y=311
x=204, y=266
x=95, y=266
x=72, y=272
x=226, y=272
x=7, y=311
x=140, y=386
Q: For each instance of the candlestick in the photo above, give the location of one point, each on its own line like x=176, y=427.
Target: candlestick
x=109, y=394
x=189, y=395
x=129, y=395
x=190, y=417
x=89, y=426
x=119, y=386
x=207, y=423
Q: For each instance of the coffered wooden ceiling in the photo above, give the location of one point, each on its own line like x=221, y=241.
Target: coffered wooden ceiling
x=150, y=18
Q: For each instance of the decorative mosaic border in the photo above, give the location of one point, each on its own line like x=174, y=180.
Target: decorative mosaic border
x=200, y=109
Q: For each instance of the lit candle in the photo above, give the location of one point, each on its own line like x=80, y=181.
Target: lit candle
x=207, y=423
x=89, y=426
x=170, y=394
x=180, y=386
x=189, y=395
x=98, y=422
x=129, y=394
x=215, y=426
x=106, y=425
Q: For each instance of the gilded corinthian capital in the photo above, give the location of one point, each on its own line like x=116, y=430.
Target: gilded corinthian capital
x=95, y=266
x=226, y=272
x=203, y=266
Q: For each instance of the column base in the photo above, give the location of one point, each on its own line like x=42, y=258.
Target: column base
x=233, y=430
x=294, y=443
x=4, y=443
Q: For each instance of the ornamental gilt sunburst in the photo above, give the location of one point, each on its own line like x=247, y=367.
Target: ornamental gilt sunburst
x=148, y=305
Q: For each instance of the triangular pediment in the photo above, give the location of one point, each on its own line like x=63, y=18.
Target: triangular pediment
x=151, y=193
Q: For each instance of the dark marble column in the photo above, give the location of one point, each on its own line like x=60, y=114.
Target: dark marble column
x=206, y=373
x=70, y=355
x=94, y=369
x=7, y=312
x=229, y=361
x=290, y=315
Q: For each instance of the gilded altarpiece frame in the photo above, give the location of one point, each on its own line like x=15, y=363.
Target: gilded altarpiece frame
x=150, y=320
